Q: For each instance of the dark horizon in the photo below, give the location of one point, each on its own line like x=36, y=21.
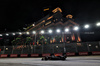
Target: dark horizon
x=18, y=14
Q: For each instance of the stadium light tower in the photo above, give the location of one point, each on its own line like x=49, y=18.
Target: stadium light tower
x=98, y=24
x=86, y=26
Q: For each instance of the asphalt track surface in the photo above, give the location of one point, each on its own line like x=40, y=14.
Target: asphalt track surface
x=70, y=61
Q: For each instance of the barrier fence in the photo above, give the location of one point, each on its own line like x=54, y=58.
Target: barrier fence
x=81, y=48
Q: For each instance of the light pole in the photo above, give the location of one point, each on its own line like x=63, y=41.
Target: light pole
x=34, y=32
x=64, y=42
x=42, y=32
x=66, y=30
x=35, y=38
x=35, y=43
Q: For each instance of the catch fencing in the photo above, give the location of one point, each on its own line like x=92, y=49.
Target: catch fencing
x=51, y=48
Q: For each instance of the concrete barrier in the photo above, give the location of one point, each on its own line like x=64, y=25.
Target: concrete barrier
x=4, y=55
x=34, y=55
x=70, y=54
x=96, y=52
x=43, y=55
x=14, y=55
x=24, y=55
x=83, y=53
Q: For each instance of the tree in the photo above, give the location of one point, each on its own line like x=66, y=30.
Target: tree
x=13, y=42
x=16, y=41
x=28, y=40
x=42, y=39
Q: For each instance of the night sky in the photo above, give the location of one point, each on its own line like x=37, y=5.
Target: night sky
x=16, y=14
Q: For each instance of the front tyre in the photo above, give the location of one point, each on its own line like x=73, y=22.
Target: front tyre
x=43, y=59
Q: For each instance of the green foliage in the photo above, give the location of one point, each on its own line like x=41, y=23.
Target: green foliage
x=42, y=37
x=18, y=38
x=28, y=40
x=13, y=42
x=19, y=41
x=16, y=41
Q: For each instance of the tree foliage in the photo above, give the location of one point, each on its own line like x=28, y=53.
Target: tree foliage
x=16, y=41
x=28, y=40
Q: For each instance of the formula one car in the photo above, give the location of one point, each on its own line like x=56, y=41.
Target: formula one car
x=54, y=57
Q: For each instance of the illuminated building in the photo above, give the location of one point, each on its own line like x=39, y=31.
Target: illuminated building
x=56, y=21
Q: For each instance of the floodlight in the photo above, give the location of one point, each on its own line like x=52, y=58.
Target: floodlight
x=50, y=31
x=66, y=30
x=58, y=30
x=42, y=31
x=76, y=28
x=86, y=26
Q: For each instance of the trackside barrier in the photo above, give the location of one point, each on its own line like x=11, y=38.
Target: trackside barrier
x=24, y=55
x=43, y=55
x=4, y=55
x=96, y=52
x=83, y=53
x=58, y=54
x=34, y=55
x=14, y=55
x=70, y=54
